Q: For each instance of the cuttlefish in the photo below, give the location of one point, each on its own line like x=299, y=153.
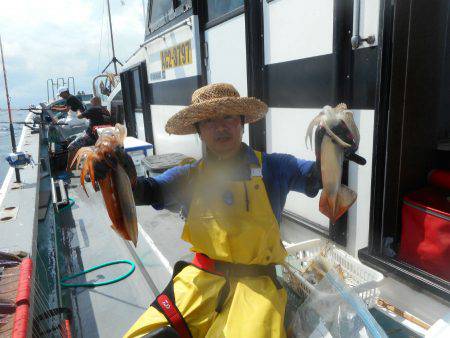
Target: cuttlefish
x=336, y=137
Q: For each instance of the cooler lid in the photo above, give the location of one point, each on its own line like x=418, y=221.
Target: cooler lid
x=132, y=143
x=432, y=199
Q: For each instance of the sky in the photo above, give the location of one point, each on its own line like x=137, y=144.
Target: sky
x=45, y=39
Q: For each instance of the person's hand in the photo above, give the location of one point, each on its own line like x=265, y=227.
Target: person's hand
x=344, y=134
x=118, y=157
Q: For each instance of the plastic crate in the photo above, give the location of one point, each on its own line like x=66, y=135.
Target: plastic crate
x=362, y=279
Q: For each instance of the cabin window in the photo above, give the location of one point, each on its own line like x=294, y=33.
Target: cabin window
x=180, y=3
x=164, y=11
x=218, y=8
x=159, y=9
x=137, y=89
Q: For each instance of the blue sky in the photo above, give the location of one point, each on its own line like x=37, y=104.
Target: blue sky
x=59, y=38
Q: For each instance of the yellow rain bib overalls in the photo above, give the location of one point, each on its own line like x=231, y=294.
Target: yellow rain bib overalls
x=230, y=289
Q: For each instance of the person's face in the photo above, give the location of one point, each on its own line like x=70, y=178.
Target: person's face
x=222, y=135
x=64, y=95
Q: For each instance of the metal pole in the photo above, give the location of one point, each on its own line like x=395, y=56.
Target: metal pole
x=11, y=126
x=143, y=12
x=356, y=39
x=112, y=39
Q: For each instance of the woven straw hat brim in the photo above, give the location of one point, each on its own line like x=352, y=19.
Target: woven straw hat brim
x=182, y=123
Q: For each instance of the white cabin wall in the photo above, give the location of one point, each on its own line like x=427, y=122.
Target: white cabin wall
x=360, y=177
x=286, y=132
x=189, y=145
x=369, y=18
x=360, y=180
x=139, y=116
x=297, y=29
x=292, y=31
x=229, y=67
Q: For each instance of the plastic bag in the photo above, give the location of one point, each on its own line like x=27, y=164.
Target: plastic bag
x=333, y=310
x=72, y=120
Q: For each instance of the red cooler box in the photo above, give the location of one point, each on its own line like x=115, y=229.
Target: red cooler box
x=425, y=241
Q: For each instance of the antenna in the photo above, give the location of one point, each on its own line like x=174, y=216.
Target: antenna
x=8, y=102
x=114, y=60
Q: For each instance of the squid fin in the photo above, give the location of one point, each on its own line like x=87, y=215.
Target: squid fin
x=335, y=206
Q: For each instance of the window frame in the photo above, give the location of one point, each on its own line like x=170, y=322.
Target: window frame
x=179, y=7
x=222, y=18
x=135, y=71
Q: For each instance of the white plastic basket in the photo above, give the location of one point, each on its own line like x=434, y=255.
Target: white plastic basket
x=362, y=279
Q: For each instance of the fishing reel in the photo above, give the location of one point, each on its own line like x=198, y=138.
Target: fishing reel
x=19, y=160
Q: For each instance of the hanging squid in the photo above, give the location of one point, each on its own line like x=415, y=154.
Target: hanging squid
x=336, y=137
x=116, y=187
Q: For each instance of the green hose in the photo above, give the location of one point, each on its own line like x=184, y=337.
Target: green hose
x=91, y=285
x=96, y=267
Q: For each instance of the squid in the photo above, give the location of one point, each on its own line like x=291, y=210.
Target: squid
x=116, y=187
x=336, y=137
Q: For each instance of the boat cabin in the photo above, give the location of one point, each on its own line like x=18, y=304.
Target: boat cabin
x=387, y=60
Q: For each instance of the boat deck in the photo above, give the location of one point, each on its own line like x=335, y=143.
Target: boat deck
x=88, y=240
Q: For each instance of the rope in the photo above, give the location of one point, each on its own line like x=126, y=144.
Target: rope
x=96, y=267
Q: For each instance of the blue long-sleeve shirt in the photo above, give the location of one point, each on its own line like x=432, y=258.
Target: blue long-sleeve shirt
x=281, y=173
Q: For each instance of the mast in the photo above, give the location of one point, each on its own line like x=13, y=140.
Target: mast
x=8, y=102
x=114, y=59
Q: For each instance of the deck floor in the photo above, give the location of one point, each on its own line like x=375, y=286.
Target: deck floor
x=106, y=311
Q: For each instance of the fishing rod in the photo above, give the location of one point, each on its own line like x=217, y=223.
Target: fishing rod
x=22, y=109
x=8, y=102
x=41, y=122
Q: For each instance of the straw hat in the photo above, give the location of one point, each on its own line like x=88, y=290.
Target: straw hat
x=212, y=101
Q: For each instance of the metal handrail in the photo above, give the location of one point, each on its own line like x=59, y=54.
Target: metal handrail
x=53, y=89
x=73, y=83
x=356, y=39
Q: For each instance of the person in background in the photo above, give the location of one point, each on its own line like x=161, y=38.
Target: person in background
x=72, y=102
x=97, y=116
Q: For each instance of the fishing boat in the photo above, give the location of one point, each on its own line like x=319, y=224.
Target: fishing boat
x=387, y=60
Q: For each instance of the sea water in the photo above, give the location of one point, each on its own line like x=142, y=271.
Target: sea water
x=5, y=139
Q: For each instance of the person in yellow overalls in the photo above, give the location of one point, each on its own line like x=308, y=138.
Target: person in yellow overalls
x=232, y=200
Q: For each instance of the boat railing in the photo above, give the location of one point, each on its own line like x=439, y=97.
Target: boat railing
x=53, y=84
